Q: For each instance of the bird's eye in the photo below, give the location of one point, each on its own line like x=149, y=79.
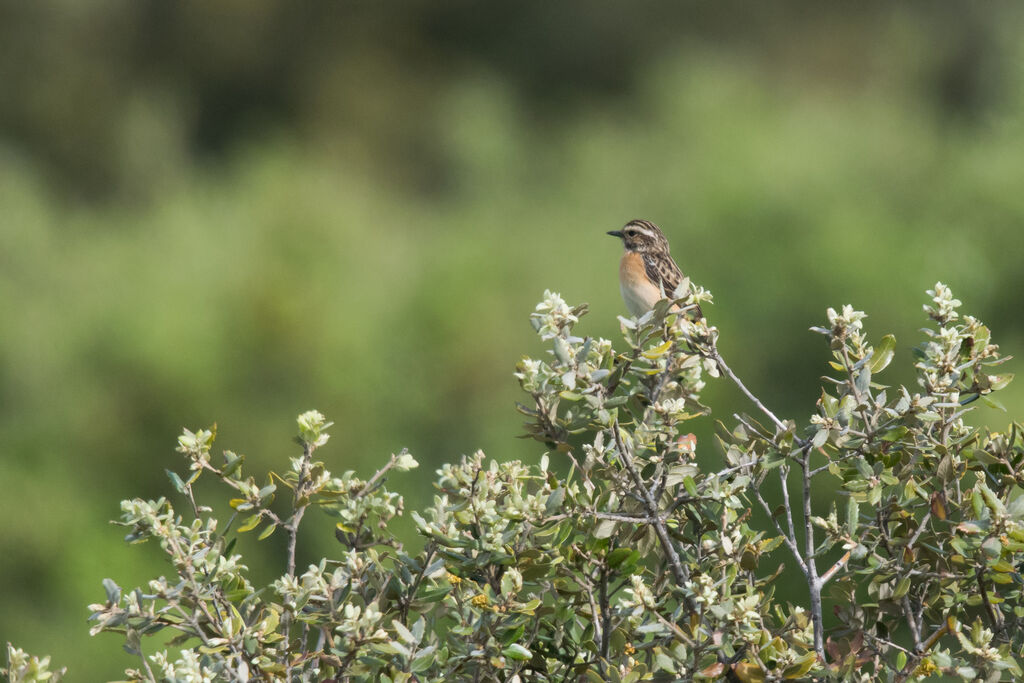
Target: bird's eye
x=631, y=233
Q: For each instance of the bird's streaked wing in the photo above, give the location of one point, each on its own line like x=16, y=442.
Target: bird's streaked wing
x=664, y=272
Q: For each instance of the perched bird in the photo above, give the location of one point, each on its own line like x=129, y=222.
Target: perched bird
x=647, y=272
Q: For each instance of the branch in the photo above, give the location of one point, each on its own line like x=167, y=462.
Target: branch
x=994, y=616
x=652, y=509
x=299, y=510
x=787, y=506
x=920, y=528
x=371, y=484
x=841, y=562
x=739, y=383
x=406, y=602
x=908, y=670
x=606, y=614
x=813, y=581
x=790, y=542
x=915, y=628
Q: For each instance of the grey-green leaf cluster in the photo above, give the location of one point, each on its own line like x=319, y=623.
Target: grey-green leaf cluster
x=619, y=557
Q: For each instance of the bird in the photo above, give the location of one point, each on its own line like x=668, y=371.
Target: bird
x=647, y=272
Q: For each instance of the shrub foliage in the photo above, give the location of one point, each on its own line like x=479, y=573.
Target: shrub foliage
x=618, y=557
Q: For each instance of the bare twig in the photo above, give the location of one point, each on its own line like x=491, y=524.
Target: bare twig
x=651, y=506
x=813, y=581
x=786, y=505
x=790, y=541
x=912, y=662
x=994, y=616
x=299, y=508
x=920, y=528
x=406, y=602
x=915, y=628
x=606, y=612
x=739, y=383
x=145, y=665
x=841, y=562
x=371, y=484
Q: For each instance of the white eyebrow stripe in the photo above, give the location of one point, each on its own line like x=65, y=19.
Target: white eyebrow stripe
x=645, y=230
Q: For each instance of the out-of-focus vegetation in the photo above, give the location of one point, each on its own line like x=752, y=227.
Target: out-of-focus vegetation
x=238, y=211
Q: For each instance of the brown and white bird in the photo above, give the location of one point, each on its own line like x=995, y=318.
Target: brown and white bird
x=647, y=272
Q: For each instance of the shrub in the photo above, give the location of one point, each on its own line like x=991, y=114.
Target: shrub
x=635, y=563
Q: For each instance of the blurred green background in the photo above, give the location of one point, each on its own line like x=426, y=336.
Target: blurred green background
x=237, y=211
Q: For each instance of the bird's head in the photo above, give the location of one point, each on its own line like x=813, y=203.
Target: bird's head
x=641, y=236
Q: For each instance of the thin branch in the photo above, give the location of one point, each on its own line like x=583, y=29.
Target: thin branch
x=610, y=516
x=839, y=564
x=678, y=632
x=915, y=628
x=145, y=665
x=190, y=574
x=371, y=484
x=994, y=616
x=595, y=619
x=920, y=528
x=790, y=542
x=606, y=613
x=787, y=506
x=739, y=383
x=652, y=509
x=299, y=509
x=813, y=581
x=912, y=663
x=818, y=470
x=407, y=600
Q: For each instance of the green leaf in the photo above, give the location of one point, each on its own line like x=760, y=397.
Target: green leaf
x=232, y=461
x=404, y=633
x=562, y=351
x=176, y=481
x=250, y=523
x=801, y=666
x=863, y=381
x=517, y=651
x=423, y=659
x=863, y=468
x=993, y=403
x=991, y=499
x=113, y=591
x=852, y=516
x=267, y=531
x=901, y=588
x=618, y=556
x=992, y=548
x=884, y=353
x=690, y=485
x=895, y=434
x=555, y=500
x=420, y=628
x=658, y=351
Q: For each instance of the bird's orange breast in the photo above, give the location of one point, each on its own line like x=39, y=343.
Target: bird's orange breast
x=639, y=293
x=631, y=270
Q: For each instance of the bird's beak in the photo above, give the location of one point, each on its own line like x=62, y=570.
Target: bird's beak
x=615, y=233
